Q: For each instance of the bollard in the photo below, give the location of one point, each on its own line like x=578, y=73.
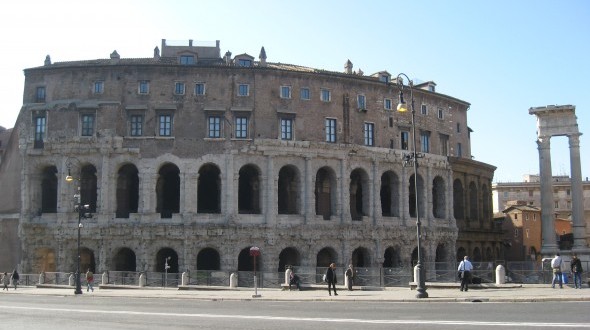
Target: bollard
x=71, y=280
x=42, y=278
x=142, y=280
x=233, y=280
x=416, y=275
x=500, y=275
x=288, y=276
x=104, y=278
x=184, y=280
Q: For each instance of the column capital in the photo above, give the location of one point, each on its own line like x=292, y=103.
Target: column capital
x=543, y=142
x=574, y=140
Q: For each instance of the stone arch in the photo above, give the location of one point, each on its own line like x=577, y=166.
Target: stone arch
x=44, y=260
x=326, y=256
x=127, y=190
x=125, y=260
x=458, y=200
x=88, y=186
x=325, y=192
x=209, y=189
x=485, y=201
x=361, y=257
x=390, y=195
x=391, y=258
x=490, y=254
x=168, y=190
x=473, y=209
x=476, y=255
x=439, y=198
x=249, y=189
x=208, y=259
x=414, y=259
x=166, y=255
x=359, y=194
x=461, y=253
x=49, y=190
x=246, y=262
x=412, y=195
x=289, y=198
x=289, y=257
x=441, y=259
x=87, y=260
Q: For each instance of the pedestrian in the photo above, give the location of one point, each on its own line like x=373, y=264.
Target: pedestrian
x=331, y=279
x=557, y=274
x=294, y=280
x=349, y=276
x=465, y=268
x=576, y=268
x=89, y=281
x=15, y=277
x=5, y=281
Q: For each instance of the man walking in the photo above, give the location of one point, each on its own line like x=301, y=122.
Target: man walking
x=465, y=268
x=331, y=278
x=556, y=266
x=89, y=281
x=576, y=269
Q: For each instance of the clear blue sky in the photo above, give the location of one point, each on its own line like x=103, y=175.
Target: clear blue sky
x=503, y=57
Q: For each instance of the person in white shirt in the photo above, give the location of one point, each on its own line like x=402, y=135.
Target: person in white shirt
x=465, y=268
x=556, y=266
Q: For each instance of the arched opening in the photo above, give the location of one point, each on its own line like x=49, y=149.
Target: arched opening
x=490, y=253
x=127, y=190
x=414, y=260
x=44, y=260
x=88, y=186
x=438, y=198
x=125, y=260
x=168, y=191
x=485, y=201
x=167, y=256
x=412, y=195
x=476, y=255
x=361, y=257
x=208, y=259
x=441, y=260
x=391, y=258
x=359, y=194
x=49, y=190
x=246, y=262
x=389, y=194
x=473, y=211
x=461, y=253
x=288, y=190
x=325, y=192
x=325, y=257
x=288, y=257
x=249, y=190
x=458, y=204
x=87, y=261
x=209, y=189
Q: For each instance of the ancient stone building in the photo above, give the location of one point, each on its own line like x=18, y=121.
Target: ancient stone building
x=197, y=157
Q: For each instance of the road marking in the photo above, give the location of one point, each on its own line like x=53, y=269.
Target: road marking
x=308, y=319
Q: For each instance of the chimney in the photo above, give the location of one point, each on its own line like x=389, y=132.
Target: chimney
x=227, y=58
x=348, y=67
x=157, y=53
x=47, y=60
x=262, y=57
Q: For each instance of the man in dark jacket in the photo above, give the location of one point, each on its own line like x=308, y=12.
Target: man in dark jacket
x=331, y=278
x=576, y=268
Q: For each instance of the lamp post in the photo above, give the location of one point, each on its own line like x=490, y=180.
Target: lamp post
x=411, y=159
x=83, y=212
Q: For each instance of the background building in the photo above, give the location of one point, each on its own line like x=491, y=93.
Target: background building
x=194, y=158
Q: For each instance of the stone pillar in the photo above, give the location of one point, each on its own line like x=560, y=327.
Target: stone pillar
x=105, y=198
x=343, y=183
x=229, y=203
x=269, y=198
x=190, y=189
x=404, y=211
x=375, y=182
x=549, y=243
x=308, y=202
x=578, y=223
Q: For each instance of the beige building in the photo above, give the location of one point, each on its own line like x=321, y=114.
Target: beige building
x=192, y=157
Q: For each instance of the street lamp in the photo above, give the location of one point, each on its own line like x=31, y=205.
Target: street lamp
x=83, y=212
x=411, y=159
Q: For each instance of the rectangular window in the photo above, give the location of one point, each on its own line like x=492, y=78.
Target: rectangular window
x=165, y=125
x=214, y=127
x=424, y=109
x=530, y=193
x=404, y=139
x=425, y=140
x=458, y=128
x=516, y=232
x=98, y=87
x=361, y=102
x=387, y=104
x=200, y=89
x=286, y=129
x=187, y=59
x=459, y=150
x=40, y=94
x=245, y=63
x=87, y=125
x=331, y=130
x=144, y=87
x=444, y=145
x=243, y=90
x=40, y=126
x=369, y=134
x=527, y=233
x=241, y=127
x=325, y=95
x=567, y=192
x=556, y=204
x=179, y=88
x=305, y=94
x=441, y=114
x=285, y=92
x=136, y=125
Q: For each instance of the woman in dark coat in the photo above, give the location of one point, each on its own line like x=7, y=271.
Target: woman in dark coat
x=331, y=278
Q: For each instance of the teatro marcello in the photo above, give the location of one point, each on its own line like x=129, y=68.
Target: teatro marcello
x=192, y=157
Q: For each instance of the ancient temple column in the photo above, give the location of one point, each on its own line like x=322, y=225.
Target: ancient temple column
x=549, y=244
x=578, y=223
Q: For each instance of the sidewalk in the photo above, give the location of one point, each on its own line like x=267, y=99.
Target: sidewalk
x=525, y=293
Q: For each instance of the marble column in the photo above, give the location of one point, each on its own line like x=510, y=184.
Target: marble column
x=549, y=242
x=578, y=223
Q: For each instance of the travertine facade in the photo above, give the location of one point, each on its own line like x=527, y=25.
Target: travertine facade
x=198, y=157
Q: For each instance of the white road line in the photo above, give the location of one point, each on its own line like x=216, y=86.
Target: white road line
x=308, y=319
